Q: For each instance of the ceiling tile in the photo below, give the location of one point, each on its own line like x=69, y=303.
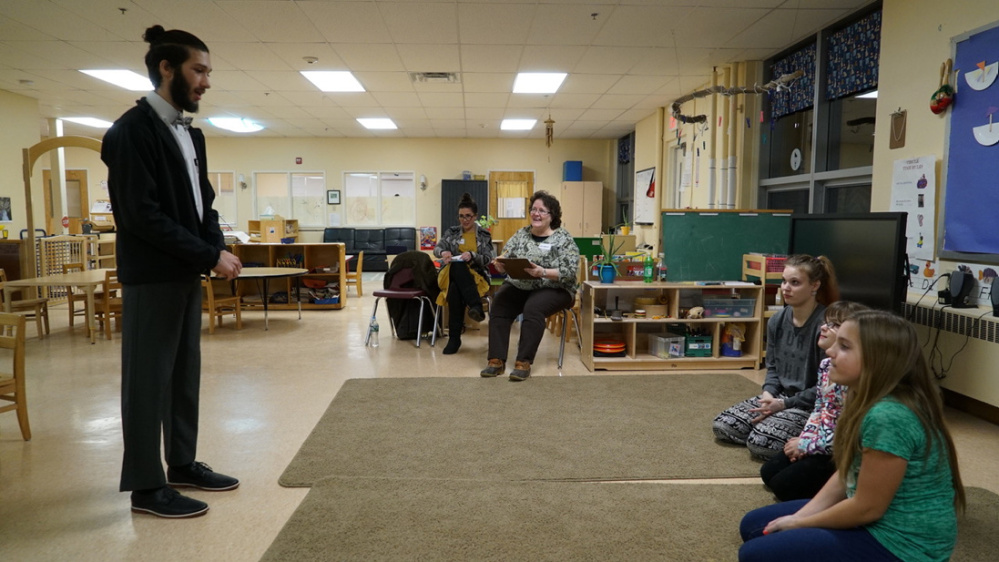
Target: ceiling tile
x=627, y=60
x=488, y=24
x=272, y=21
x=347, y=22
x=428, y=22
x=491, y=58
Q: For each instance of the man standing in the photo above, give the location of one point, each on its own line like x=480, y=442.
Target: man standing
x=168, y=235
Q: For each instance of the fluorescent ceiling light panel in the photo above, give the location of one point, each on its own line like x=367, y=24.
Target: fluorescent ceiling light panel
x=868, y=96
x=123, y=79
x=333, y=80
x=377, y=123
x=236, y=124
x=518, y=124
x=538, y=82
x=89, y=122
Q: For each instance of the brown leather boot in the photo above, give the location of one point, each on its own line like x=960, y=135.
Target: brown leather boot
x=521, y=370
x=494, y=368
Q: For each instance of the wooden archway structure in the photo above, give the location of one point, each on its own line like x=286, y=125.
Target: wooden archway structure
x=30, y=156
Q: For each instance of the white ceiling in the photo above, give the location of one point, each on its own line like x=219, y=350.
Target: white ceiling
x=625, y=58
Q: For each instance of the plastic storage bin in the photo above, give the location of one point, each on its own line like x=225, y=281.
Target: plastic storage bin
x=698, y=346
x=666, y=345
x=572, y=170
x=729, y=308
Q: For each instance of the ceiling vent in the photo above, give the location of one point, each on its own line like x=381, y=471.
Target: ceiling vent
x=435, y=77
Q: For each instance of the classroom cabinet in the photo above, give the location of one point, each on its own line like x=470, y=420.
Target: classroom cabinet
x=582, y=207
x=701, y=340
x=274, y=230
x=326, y=263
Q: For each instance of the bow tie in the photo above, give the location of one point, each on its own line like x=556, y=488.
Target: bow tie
x=181, y=120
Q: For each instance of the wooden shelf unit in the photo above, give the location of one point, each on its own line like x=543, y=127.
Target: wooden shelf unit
x=313, y=257
x=763, y=268
x=102, y=250
x=634, y=331
x=272, y=231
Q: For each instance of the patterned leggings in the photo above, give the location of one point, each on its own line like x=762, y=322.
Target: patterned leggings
x=763, y=439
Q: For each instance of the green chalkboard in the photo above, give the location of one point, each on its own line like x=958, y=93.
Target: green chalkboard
x=708, y=245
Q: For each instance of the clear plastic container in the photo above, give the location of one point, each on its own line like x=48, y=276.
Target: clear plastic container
x=374, y=332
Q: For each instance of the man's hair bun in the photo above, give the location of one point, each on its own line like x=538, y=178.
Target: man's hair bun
x=153, y=34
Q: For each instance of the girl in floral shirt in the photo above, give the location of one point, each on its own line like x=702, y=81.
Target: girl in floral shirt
x=806, y=463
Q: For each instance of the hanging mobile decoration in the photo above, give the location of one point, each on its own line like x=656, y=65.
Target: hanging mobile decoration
x=549, y=135
x=778, y=84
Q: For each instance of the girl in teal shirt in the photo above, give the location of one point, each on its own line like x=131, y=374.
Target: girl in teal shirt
x=897, y=485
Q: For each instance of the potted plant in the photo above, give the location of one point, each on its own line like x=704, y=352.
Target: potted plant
x=605, y=264
x=487, y=222
x=624, y=225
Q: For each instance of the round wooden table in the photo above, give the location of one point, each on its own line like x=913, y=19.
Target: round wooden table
x=266, y=273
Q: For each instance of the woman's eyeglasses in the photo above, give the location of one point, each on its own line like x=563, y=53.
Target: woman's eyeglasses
x=831, y=325
x=466, y=217
x=541, y=212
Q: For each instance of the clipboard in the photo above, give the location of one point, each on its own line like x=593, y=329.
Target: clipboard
x=516, y=267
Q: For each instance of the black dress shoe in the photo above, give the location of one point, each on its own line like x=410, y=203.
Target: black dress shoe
x=167, y=502
x=476, y=313
x=200, y=475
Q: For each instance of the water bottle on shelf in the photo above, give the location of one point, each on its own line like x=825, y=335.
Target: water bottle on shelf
x=374, y=332
x=662, y=267
x=648, y=273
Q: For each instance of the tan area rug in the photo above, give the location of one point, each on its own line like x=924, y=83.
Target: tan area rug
x=385, y=519
x=615, y=427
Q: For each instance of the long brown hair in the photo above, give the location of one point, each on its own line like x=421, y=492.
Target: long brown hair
x=892, y=364
x=818, y=269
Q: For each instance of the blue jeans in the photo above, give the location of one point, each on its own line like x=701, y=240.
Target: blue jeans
x=813, y=544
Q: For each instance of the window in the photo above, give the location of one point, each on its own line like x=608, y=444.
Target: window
x=796, y=200
x=379, y=198
x=293, y=195
x=851, y=133
x=848, y=199
x=819, y=132
x=790, y=146
x=225, y=197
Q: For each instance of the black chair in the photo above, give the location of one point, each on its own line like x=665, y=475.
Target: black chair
x=399, y=290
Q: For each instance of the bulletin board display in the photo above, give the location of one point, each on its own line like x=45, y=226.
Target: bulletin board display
x=972, y=159
x=708, y=245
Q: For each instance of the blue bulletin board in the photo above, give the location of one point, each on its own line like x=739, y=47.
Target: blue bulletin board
x=972, y=162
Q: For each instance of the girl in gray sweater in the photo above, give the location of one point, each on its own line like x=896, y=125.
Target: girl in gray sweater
x=764, y=423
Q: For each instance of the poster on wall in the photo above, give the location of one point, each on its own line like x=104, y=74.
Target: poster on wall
x=914, y=191
x=428, y=237
x=645, y=196
x=5, y=215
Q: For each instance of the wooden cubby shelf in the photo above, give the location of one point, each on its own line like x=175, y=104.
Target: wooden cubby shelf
x=317, y=258
x=597, y=298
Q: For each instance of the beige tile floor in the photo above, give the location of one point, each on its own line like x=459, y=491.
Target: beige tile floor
x=262, y=393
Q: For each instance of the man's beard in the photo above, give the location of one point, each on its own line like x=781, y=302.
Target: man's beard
x=180, y=91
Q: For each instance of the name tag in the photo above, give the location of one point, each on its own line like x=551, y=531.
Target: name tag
x=545, y=247
x=461, y=242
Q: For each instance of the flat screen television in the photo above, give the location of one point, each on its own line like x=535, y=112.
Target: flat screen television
x=867, y=251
